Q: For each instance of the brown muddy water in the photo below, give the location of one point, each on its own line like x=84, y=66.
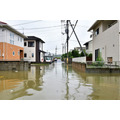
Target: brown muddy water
x=58, y=81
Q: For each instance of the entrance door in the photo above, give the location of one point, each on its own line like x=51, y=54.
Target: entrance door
x=21, y=54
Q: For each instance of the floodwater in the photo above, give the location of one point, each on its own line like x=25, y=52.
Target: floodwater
x=58, y=81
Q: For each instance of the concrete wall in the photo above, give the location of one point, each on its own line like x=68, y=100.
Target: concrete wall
x=79, y=66
x=13, y=66
x=79, y=59
x=108, y=42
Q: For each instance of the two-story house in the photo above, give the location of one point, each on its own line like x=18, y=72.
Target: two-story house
x=33, y=49
x=106, y=40
x=11, y=43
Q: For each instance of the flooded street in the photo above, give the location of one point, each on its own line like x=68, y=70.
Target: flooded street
x=58, y=81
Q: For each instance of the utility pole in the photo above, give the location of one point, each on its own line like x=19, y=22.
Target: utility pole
x=67, y=32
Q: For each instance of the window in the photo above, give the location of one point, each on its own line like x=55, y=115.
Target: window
x=109, y=60
x=32, y=54
x=25, y=44
x=13, y=53
x=18, y=38
x=97, y=32
x=25, y=54
x=30, y=44
x=11, y=38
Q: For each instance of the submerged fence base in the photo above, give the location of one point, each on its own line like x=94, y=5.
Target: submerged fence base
x=83, y=68
x=14, y=65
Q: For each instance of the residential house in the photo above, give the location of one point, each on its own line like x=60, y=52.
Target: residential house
x=106, y=40
x=79, y=49
x=33, y=49
x=89, y=46
x=11, y=43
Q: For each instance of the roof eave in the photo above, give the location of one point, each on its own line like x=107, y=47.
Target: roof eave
x=94, y=24
x=13, y=30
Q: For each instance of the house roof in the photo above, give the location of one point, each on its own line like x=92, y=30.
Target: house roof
x=87, y=42
x=5, y=25
x=94, y=24
x=34, y=38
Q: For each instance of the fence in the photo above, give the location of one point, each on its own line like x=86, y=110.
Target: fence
x=103, y=64
x=79, y=59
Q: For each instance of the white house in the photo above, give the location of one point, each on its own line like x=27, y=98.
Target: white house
x=106, y=39
x=89, y=46
x=33, y=49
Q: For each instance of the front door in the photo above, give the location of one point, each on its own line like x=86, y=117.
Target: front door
x=21, y=54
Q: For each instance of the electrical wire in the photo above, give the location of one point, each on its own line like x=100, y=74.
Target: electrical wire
x=26, y=23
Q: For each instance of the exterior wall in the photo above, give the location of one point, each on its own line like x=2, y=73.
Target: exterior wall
x=90, y=47
x=29, y=51
x=7, y=50
x=5, y=37
x=40, y=46
x=107, y=42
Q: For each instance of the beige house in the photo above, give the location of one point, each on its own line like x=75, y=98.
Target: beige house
x=106, y=40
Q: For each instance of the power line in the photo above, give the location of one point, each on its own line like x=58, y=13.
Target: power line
x=26, y=23
x=40, y=27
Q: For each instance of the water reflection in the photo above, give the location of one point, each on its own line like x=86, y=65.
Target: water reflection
x=14, y=85
x=104, y=86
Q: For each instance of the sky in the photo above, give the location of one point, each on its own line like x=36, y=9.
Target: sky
x=50, y=32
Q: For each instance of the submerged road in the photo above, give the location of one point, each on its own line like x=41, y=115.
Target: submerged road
x=58, y=81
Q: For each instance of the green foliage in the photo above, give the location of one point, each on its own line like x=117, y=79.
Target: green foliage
x=90, y=55
x=75, y=53
x=82, y=54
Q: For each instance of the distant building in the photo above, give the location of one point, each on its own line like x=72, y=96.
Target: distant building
x=106, y=40
x=33, y=49
x=78, y=49
x=89, y=46
x=11, y=43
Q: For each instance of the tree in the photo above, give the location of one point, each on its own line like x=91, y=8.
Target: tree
x=75, y=53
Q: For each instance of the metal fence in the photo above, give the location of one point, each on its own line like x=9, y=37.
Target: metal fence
x=102, y=64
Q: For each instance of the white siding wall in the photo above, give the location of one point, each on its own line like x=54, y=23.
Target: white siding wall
x=108, y=43
x=2, y=35
x=40, y=46
x=29, y=51
x=5, y=37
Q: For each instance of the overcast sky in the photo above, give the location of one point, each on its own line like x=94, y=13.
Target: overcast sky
x=50, y=32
